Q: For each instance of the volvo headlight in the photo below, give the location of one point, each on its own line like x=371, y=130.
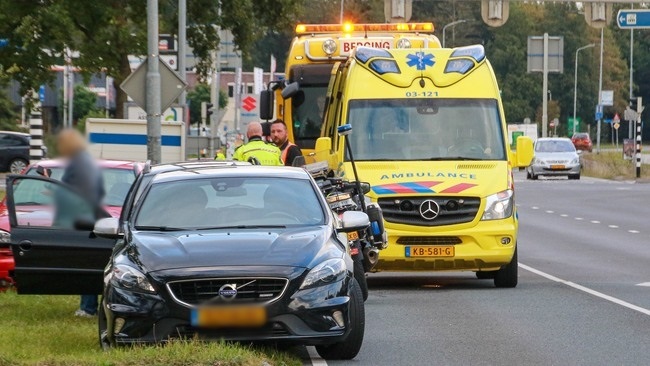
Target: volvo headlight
x=330, y=271
x=5, y=237
x=129, y=278
x=329, y=46
x=499, y=205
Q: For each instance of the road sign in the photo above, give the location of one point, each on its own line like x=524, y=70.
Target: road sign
x=616, y=125
x=536, y=54
x=599, y=111
x=607, y=97
x=633, y=18
x=617, y=119
x=171, y=85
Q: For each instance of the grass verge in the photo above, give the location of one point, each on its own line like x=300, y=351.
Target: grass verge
x=42, y=330
x=610, y=165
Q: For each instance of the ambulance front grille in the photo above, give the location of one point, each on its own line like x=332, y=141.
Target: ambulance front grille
x=452, y=210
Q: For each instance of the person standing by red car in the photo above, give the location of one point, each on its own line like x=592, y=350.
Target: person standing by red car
x=84, y=174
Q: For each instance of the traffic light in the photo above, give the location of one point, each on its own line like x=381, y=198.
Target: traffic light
x=206, y=110
x=636, y=104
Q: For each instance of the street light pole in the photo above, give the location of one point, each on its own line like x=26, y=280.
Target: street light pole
x=600, y=90
x=153, y=85
x=575, y=84
x=444, y=29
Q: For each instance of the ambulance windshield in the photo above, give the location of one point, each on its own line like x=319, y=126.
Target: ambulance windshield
x=426, y=129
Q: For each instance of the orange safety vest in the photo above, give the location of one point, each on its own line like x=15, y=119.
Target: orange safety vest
x=286, y=151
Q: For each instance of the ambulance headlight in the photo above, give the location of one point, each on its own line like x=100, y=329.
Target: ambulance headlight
x=329, y=46
x=499, y=205
x=477, y=52
x=461, y=66
x=403, y=43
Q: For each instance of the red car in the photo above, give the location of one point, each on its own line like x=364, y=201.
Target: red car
x=582, y=141
x=118, y=177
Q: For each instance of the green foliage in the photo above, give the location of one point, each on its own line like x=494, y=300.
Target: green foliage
x=106, y=32
x=8, y=115
x=201, y=93
x=84, y=102
x=42, y=330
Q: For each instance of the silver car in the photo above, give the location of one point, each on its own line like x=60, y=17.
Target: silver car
x=554, y=157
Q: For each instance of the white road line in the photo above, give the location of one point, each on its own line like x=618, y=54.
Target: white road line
x=595, y=222
x=586, y=289
x=579, y=218
x=316, y=360
x=535, y=208
x=613, y=226
x=645, y=284
x=564, y=215
x=549, y=211
x=633, y=231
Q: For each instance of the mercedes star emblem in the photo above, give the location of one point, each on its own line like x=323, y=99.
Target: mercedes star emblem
x=429, y=209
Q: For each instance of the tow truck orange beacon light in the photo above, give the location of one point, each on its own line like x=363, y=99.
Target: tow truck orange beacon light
x=370, y=27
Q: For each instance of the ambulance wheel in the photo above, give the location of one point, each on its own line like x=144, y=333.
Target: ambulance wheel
x=507, y=276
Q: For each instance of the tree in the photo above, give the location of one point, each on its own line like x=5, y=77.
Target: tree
x=84, y=103
x=106, y=32
x=201, y=93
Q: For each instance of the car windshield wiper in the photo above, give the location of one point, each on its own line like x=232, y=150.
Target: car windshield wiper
x=455, y=158
x=243, y=227
x=160, y=228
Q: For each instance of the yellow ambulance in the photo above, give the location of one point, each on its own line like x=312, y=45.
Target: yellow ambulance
x=313, y=52
x=429, y=135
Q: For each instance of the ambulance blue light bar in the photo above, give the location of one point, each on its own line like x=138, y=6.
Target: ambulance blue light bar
x=363, y=54
x=477, y=52
x=461, y=66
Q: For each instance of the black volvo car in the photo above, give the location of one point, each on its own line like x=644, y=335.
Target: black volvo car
x=217, y=250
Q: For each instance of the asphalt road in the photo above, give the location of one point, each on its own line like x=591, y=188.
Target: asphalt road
x=583, y=296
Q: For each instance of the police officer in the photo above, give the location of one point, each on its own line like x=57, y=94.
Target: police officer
x=279, y=136
x=257, y=149
x=219, y=155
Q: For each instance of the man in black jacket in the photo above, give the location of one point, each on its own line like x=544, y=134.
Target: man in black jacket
x=279, y=136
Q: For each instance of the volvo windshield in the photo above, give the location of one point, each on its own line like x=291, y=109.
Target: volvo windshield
x=426, y=129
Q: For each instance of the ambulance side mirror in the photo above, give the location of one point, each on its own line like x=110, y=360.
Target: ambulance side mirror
x=290, y=90
x=266, y=104
x=524, y=154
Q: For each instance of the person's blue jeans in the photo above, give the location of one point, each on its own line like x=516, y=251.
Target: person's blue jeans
x=89, y=304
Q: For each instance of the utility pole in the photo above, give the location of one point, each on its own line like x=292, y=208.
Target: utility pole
x=182, y=40
x=600, y=91
x=545, y=88
x=153, y=85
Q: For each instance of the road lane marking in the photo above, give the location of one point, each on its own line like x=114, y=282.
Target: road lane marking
x=586, y=289
x=633, y=231
x=595, y=222
x=645, y=284
x=579, y=218
x=564, y=215
x=535, y=208
x=549, y=211
x=315, y=358
x=613, y=226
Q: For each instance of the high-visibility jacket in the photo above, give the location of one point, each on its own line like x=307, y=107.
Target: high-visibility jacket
x=285, y=151
x=266, y=153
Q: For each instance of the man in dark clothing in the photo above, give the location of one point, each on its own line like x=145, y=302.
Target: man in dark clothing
x=279, y=136
x=84, y=175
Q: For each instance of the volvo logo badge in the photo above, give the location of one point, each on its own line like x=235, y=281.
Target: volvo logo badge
x=228, y=292
x=429, y=209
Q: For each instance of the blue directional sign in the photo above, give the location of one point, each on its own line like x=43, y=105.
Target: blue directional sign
x=41, y=93
x=633, y=18
x=599, y=112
